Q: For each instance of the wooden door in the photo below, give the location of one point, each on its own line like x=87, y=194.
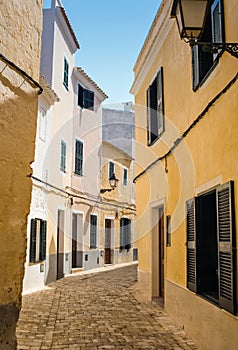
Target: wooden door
x=74, y=241
x=161, y=251
x=108, y=234
x=60, y=244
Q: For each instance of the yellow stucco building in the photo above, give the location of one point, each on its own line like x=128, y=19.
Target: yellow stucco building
x=21, y=24
x=186, y=175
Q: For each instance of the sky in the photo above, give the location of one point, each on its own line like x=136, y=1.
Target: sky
x=111, y=34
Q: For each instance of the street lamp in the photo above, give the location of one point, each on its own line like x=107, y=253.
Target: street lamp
x=191, y=17
x=113, y=184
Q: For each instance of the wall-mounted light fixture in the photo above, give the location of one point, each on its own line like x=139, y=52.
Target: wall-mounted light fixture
x=191, y=17
x=113, y=184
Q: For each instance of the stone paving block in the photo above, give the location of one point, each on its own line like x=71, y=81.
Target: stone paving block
x=98, y=311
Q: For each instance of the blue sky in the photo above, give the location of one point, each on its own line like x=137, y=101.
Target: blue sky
x=111, y=35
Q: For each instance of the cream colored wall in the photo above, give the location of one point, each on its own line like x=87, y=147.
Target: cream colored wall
x=20, y=28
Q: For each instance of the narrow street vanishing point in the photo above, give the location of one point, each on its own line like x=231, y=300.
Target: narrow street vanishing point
x=99, y=310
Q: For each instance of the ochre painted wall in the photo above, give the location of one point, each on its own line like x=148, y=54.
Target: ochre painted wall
x=20, y=28
x=204, y=159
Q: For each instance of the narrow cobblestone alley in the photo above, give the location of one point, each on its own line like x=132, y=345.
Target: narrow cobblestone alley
x=96, y=311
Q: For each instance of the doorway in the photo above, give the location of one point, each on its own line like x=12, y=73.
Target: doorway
x=60, y=244
x=108, y=242
x=158, y=255
x=77, y=234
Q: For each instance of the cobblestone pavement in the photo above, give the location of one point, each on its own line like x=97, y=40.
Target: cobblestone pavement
x=96, y=311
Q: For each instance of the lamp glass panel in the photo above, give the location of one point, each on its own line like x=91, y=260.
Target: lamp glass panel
x=194, y=12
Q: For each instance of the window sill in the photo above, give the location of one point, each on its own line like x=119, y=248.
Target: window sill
x=78, y=175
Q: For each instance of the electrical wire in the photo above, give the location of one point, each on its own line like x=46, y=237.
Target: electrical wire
x=187, y=131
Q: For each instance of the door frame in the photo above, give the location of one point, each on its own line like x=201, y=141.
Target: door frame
x=156, y=260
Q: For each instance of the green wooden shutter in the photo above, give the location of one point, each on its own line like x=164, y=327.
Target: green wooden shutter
x=63, y=157
x=43, y=240
x=195, y=67
x=111, y=169
x=160, y=99
x=191, y=246
x=127, y=230
x=226, y=246
x=217, y=27
x=154, y=122
x=78, y=158
x=33, y=240
x=148, y=116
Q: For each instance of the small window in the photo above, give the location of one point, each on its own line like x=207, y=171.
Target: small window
x=155, y=108
x=38, y=240
x=202, y=61
x=66, y=74
x=78, y=158
x=125, y=177
x=63, y=157
x=111, y=169
x=93, y=231
x=125, y=234
x=85, y=98
x=43, y=124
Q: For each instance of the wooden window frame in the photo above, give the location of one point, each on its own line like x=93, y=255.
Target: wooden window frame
x=155, y=108
x=203, y=63
x=226, y=247
x=38, y=240
x=85, y=98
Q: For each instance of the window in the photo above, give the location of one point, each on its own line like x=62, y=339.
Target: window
x=42, y=124
x=203, y=62
x=66, y=74
x=63, y=157
x=38, y=240
x=125, y=177
x=155, y=108
x=211, y=246
x=125, y=234
x=85, y=98
x=93, y=231
x=111, y=169
x=78, y=158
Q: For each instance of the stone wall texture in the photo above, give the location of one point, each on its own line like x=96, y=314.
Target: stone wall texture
x=20, y=40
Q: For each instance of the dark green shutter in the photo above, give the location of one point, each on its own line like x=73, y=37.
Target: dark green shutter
x=160, y=99
x=78, y=158
x=226, y=247
x=195, y=67
x=33, y=240
x=43, y=240
x=191, y=245
x=80, y=96
x=148, y=115
x=154, y=126
x=111, y=169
